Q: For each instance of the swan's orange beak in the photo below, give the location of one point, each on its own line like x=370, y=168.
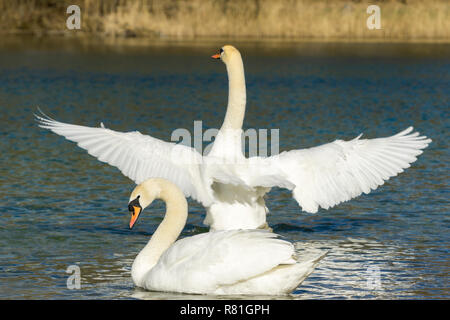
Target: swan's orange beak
x=134, y=215
x=216, y=56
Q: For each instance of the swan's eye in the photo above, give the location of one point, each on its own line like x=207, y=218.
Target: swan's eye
x=221, y=50
x=130, y=208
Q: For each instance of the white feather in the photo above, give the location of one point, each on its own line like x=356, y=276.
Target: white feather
x=232, y=187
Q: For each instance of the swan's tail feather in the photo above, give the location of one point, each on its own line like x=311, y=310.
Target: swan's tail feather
x=313, y=262
x=304, y=267
x=319, y=257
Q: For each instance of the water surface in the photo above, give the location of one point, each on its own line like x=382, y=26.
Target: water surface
x=61, y=207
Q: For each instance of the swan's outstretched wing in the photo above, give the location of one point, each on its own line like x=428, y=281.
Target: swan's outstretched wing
x=205, y=261
x=137, y=156
x=332, y=173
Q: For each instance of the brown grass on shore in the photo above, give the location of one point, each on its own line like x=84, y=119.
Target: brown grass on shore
x=298, y=19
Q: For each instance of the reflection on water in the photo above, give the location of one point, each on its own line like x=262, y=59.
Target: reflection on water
x=62, y=207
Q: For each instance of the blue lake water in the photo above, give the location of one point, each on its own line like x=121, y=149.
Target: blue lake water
x=61, y=207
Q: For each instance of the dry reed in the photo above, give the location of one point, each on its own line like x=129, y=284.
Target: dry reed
x=300, y=19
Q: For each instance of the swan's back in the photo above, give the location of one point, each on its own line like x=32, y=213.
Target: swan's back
x=205, y=262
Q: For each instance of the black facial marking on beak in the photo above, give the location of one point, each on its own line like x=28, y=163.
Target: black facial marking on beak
x=221, y=50
x=134, y=203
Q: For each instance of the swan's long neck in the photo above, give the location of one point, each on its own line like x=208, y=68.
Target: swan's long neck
x=234, y=117
x=167, y=232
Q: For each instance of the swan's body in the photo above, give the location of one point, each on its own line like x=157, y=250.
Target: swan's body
x=232, y=187
x=217, y=262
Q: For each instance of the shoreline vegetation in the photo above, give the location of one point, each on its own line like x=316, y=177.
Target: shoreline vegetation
x=292, y=20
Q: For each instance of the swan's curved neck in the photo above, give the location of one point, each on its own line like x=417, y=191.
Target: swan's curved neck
x=166, y=233
x=234, y=117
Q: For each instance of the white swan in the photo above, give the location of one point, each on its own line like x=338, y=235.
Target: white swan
x=217, y=262
x=232, y=187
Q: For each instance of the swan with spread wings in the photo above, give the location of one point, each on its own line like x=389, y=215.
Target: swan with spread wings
x=230, y=186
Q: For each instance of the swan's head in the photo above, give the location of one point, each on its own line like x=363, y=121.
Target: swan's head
x=141, y=197
x=227, y=54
